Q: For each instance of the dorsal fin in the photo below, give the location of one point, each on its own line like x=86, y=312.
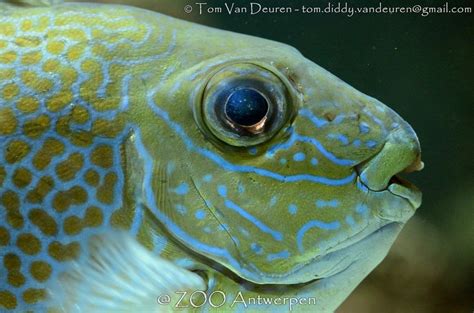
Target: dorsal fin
x=33, y=3
x=120, y=275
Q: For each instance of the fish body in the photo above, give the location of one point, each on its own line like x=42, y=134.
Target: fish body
x=229, y=155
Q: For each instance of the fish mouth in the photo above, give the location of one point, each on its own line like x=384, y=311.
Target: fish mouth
x=396, y=184
x=382, y=172
x=405, y=189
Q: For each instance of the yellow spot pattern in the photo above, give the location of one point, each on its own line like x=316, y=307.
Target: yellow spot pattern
x=62, y=121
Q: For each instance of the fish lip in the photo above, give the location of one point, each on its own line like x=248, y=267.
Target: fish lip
x=397, y=185
x=403, y=188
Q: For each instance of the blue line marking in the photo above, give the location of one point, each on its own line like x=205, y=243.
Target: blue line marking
x=182, y=189
x=339, y=118
x=275, y=234
x=298, y=157
x=244, y=232
x=222, y=190
x=252, y=151
x=280, y=255
x=256, y=248
x=350, y=220
x=371, y=143
x=341, y=138
x=181, y=209
x=362, y=209
x=292, y=208
x=330, y=203
x=273, y=201
x=361, y=186
x=296, y=137
x=169, y=224
x=200, y=214
x=364, y=128
x=223, y=227
x=312, y=224
x=247, y=169
x=318, y=122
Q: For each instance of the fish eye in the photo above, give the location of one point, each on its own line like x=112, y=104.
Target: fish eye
x=245, y=104
x=246, y=107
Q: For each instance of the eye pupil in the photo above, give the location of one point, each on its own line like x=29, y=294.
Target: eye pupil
x=246, y=107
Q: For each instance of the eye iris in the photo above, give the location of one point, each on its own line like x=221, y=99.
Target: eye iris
x=246, y=107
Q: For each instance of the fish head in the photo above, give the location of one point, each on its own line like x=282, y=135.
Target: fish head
x=275, y=167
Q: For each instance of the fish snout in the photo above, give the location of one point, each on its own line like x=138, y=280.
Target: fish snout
x=401, y=153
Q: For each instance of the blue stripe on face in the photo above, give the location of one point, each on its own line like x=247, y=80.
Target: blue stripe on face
x=280, y=255
x=256, y=248
x=318, y=122
x=299, y=138
x=200, y=214
x=292, y=208
x=350, y=220
x=341, y=138
x=222, y=190
x=330, y=203
x=250, y=169
x=182, y=189
x=312, y=224
x=275, y=234
x=169, y=223
x=299, y=156
x=362, y=209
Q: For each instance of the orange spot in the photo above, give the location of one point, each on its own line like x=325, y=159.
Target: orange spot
x=68, y=169
x=59, y=101
x=11, y=202
x=79, y=115
x=93, y=217
x=102, y=156
x=7, y=300
x=10, y=91
x=4, y=236
x=64, y=252
x=22, y=177
x=28, y=243
x=40, y=270
x=92, y=177
x=72, y=225
x=16, y=151
x=36, y=126
x=44, y=186
x=105, y=193
x=33, y=295
x=27, y=105
x=8, y=121
x=64, y=199
x=51, y=148
x=43, y=221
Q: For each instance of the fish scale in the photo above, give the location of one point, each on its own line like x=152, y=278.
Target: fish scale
x=102, y=127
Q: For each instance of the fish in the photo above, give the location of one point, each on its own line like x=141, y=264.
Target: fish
x=146, y=160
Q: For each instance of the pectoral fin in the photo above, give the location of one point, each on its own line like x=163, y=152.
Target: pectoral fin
x=120, y=275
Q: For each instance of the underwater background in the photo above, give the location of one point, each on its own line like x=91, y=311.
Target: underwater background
x=422, y=67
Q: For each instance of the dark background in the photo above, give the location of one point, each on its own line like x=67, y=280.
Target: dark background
x=423, y=68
